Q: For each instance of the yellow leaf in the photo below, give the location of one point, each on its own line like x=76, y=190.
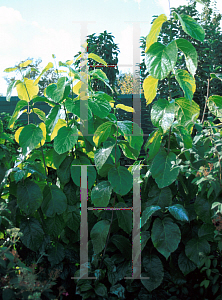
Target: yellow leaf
x=25, y=63
x=49, y=66
x=10, y=69
x=43, y=127
x=155, y=30
x=97, y=58
x=111, y=104
x=77, y=87
x=29, y=86
x=17, y=133
x=80, y=56
x=60, y=123
x=69, y=62
x=150, y=88
x=126, y=108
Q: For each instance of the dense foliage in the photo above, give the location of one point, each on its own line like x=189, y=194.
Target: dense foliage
x=180, y=183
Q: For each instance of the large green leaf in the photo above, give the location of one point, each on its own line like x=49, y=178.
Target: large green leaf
x=101, y=194
x=148, y=212
x=185, y=264
x=99, y=74
x=191, y=27
x=187, y=111
x=206, y=231
x=121, y=180
x=128, y=151
x=184, y=135
x=123, y=244
x=66, y=139
x=63, y=171
x=153, y=143
x=84, y=111
x=165, y=236
x=154, y=270
x=100, y=107
x=102, y=133
x=56, y=91
x=29, y=196
x=214, y=104
x=52, y=118
x=159, y=197
x=190, y=54
x=54, y=226
x=16, y=114
x=162, y=169
x=72, y=218
x=179, y=212
x=203, y=210
x=58, y=158
x=101, y=155
x=195, y=248
x=132, y=133
x=70, y=191
x=99, y=234
x=186, y=82
x=155, y=30
x=161, y=60
x=56, y=254
x=54, y=201
x=101, y=290
x=33, y=233
x=76, y=171
x=40, y=114
x=30, y=137
x=124, y=218
x=162, y=114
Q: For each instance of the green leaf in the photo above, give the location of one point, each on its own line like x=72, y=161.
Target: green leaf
x=40, y=114
x=161, y=60
x=30, y=137
x=154, y=270
x=187, y=111
x=162, y=114
x=101, y=290
x=155, y=30
x=214, y=104
x=179, y=212
x=54, y=201
x=66, y=139
x=123, y=244
x=150, y=88
x=153, y=143
x=99, y=234
x=191, y=27
x=160, y=197
x=132, y=133
x=162, y=169
x=52, y=118
x=56, y=254
x=195, y=248
x=165, y=236
x=121, y=180
x=102, y=133
x=58, y=158
x=216, y=75
x=203, y=209
x=118, y=290
x=100, y=107
x=29, y=196
x=19, y=105
x=101, y=155
x=76, y=171
x=9, y=90
x=49, y=66
x=56, y=91
x=145, y=236
x=32, y=233
x=54, y=226
x=63, y=171
x=101, y=194
x=99, y=74
x=84, y=111
x=147, y=213
x=206, y=231
x=70, y=191
x=190, y=54
x=72, y=218
x=97, y=58
x=186, y=82
x=185, y=264
x=124, y=218
x=184, y=134
x=128, y=151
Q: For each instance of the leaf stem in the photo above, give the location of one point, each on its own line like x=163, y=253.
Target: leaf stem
x=208, y=89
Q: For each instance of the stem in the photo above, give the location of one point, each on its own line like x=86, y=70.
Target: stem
x=208, y=88
x=107, y=240
x=168, y=151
